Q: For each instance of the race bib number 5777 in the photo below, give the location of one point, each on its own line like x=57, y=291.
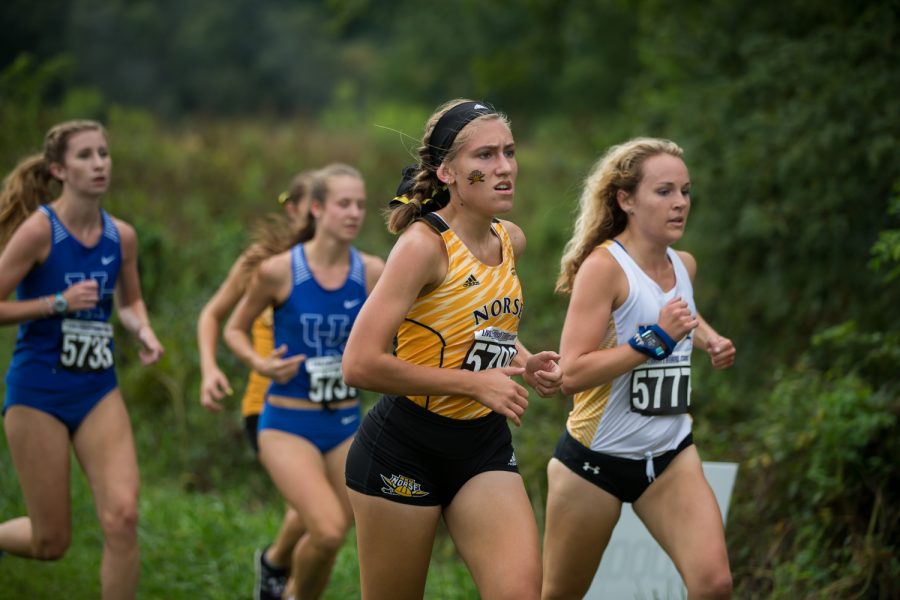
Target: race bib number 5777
x=661, y=390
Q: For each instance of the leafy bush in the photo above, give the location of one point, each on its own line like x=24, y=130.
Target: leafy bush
x=817, y=508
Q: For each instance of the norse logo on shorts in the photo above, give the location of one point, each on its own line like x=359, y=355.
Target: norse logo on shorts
x=400, y=485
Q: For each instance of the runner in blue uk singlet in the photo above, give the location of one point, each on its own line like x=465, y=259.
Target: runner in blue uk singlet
x=316, y=322
x=271, y=573
x=71, y=353
x=68, y=262
x=315, y=288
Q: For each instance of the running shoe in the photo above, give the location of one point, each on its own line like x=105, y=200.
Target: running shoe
x=270, y=581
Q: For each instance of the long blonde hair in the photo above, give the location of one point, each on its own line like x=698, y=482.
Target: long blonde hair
x=30, y=183
x=600, y=217
x=427, y=185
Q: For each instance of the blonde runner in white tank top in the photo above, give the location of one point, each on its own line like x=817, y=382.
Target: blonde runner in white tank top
x=625, y=416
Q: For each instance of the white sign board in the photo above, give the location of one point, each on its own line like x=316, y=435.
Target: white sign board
x=634, y=565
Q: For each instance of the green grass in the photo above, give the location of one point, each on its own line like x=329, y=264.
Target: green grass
x=193, y=545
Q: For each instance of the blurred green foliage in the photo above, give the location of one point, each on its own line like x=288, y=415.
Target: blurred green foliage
x=789, y=117
x=298, y=56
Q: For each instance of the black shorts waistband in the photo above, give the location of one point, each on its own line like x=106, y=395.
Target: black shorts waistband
x=411, y=408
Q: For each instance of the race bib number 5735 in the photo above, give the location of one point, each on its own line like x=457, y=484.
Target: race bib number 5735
x=326, y=381
x=492, y=348
x=86, y=345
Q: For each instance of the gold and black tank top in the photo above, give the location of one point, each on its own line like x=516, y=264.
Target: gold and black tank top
x=263, y=344
x=470, y=321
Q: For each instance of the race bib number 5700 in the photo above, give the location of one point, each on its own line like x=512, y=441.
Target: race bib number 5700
x=661, y=390
x=86, y=345
x=492, y=348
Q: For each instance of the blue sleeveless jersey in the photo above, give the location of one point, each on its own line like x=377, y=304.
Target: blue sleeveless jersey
x=316, y=322
x=72, y=352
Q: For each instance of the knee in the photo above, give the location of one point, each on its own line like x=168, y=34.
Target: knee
x=330, y=540
x=722, y=586
x=292, y=521
x=52, y=546
x=521, y=590
x=328, y=537
x=554, y=593
x=520, y=584
x=119, y=522
x=717, y=585
x=565, y=587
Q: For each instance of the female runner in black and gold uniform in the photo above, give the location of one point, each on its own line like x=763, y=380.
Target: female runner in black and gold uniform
x=437, y=444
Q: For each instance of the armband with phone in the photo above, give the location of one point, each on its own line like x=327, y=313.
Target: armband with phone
x=653, y=341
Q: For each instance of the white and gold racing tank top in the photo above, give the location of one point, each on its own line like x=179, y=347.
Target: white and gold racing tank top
x=645, y=409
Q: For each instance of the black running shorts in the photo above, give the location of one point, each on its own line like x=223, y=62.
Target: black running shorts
x=407, y=454
x=624, y=478
x=251, y=422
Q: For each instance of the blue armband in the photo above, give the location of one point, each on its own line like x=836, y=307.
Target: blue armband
x=653, y=341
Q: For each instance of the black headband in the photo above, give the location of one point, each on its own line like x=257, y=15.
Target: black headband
x=439, y=143
x=450, y=124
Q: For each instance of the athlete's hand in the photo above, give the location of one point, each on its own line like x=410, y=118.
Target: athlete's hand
x=721, y=352
x=213, y=388
x=280, y=369
x=501, y=394
x=542, y=373
x=83, y=295
x=151, y=350
x=676, y=319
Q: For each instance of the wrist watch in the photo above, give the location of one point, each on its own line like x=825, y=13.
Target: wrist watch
x=60, y=305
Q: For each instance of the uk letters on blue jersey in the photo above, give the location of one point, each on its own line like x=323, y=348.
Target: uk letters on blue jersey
x=316, y=322
x=75, y=351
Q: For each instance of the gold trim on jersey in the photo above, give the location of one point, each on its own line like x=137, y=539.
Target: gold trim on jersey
x=590, y=405
x=263, y=336
x=440, y=326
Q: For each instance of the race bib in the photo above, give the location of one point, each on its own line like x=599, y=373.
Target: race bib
x=326, y=382
x=86, y=346
x=492, y=348
x=661, y=390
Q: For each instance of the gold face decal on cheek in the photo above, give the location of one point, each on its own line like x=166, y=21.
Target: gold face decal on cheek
x=476, y=176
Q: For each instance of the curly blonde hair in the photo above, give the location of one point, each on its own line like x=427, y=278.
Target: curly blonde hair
x=600, y=217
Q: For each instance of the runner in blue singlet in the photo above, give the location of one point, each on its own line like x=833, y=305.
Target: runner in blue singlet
x=316, y=288
x=68, y=259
